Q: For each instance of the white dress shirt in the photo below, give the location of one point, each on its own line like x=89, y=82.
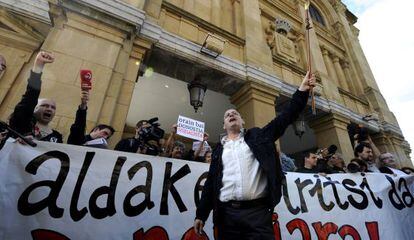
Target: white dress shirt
x=243, y=178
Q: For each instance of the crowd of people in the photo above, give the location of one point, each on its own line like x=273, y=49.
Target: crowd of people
x=32, y=117
x=246, y=170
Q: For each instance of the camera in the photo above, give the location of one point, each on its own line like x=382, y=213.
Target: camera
x=326, y=153
x=149, y=137
x=356, y=165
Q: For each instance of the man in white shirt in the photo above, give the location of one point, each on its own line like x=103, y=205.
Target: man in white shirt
x=244, y=181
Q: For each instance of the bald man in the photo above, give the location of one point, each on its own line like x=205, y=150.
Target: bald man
x=245, y=177
x=31, y=116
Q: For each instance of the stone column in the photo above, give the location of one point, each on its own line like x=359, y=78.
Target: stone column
x=136, y=3
x=153, y=8
x=188, y=5
x=349, y=79
x=302, y=48
x=361, y=66
x=256, y=104
x=257, y=52
x=215, y=12
x=318, y=63
x=237, y=21
x=332, y=129
x=330, y=67
x=130, y=64
x=340, y=73
x=389, y=142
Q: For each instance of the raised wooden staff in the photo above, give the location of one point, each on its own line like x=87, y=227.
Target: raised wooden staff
x=308, y=28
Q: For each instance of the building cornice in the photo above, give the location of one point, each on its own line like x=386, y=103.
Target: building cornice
x=117, y=9
x=203, y=24
x=171, y=42
x=35, y=9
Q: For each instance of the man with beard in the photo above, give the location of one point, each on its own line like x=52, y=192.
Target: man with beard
x=364, y=152
x=245, y=177
x=31, y=116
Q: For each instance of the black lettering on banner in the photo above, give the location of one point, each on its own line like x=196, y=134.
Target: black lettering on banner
x=301, y=185
x=109, y=210
x=168, y=186
x=286, y=198
x=377, y=201
x=341, y=205
x=393, y=195
x=24, y=206
x=146, y=189
x=76, y=214
x=407, y=194
x=198, y=188
x=318, y=189
x=349, y=184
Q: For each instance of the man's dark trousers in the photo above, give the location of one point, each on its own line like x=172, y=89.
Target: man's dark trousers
x=253, y=223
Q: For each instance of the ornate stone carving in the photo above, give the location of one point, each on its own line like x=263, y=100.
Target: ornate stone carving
x=270, y=34
x=281, y=41
x=282, y=26
x=285, y=47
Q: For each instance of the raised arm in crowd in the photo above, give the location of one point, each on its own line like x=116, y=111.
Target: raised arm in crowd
x=32, y=116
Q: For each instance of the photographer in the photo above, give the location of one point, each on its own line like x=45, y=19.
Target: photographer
x=324, y=155
x=32, y=115
x=147, y=139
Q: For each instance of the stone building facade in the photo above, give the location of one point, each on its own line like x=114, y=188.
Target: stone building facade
x=261, y=57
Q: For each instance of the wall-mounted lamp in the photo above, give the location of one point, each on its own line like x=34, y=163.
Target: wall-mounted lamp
x=299, y=126
x=197, y=93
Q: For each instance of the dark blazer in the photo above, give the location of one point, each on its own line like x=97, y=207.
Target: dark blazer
x=262, y=143
x=22, y=119
x=77, y=130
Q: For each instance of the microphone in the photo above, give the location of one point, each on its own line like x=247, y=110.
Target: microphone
x=86, y=79
x=26, y=140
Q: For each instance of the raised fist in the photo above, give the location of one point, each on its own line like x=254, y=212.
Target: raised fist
x=42, y=58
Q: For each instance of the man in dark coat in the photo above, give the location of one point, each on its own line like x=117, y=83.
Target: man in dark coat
x=244, y=180
x=31, y=116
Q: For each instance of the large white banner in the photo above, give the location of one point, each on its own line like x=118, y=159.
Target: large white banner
x=57, y=191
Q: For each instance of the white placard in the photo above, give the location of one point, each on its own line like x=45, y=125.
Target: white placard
x=190, y=128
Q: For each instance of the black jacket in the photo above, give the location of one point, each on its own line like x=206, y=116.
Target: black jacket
x=261, y=142
x=22, y=119
x=77, y=130
x=128, y=145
